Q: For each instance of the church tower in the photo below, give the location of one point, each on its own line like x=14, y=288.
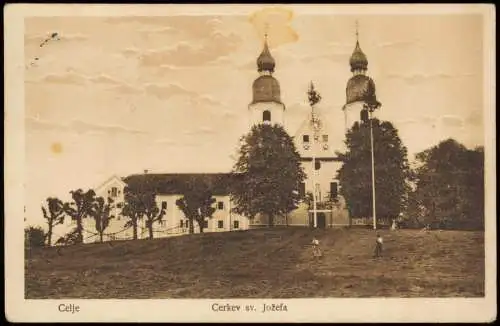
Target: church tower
x=360, y=90
x=266, y=105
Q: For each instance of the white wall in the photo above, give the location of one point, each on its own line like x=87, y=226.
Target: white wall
x=256, y=109
x=352, y=113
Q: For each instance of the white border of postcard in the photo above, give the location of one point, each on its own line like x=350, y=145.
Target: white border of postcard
x=189, y=310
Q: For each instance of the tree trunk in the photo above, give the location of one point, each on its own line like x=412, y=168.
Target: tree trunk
x=134, y=228
x=49, y=235
x=150, y=228
x=191, y=226
x=79, y=230
x=270, y=220
x=101, y=236
x=200, y=224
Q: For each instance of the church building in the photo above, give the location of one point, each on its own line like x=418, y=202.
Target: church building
x=313, y=140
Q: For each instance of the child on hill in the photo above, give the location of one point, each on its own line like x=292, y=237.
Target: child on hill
x=316, y=249
x=378, y=246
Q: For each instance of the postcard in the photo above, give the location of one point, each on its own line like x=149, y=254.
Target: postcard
x=250, y=163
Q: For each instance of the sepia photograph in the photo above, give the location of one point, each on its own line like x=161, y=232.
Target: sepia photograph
x=249, y=155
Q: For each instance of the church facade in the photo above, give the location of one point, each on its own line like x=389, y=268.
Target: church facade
x=313, y=140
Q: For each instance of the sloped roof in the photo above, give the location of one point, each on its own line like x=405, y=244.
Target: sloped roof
x=173, y=183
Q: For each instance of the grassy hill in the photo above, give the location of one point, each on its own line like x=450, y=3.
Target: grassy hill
x=264, y=263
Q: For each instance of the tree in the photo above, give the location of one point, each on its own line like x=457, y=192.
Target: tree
x=102, y=215
x=269, y=173
x=151, y=210
x=391, y=170
x=196, y=203
x=449, y=186
x=34, y=236
x=81, y=207
x=133, y=209
x=53, y=215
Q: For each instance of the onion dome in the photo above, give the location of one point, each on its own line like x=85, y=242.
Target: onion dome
x=266, y=89
x=361, y=88
x=358, y=59
x=265, y=61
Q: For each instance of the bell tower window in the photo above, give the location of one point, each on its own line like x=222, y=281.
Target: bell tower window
x=266, y=116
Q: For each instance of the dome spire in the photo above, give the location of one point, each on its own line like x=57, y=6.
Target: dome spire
x=265, y=61
x=357, y=32
x=358, y=60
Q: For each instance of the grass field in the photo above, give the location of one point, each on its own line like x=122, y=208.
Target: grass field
x=264, y=263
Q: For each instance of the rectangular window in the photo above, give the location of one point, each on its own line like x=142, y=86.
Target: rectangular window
x=333, y=190
x=220, y=205
x=220, y=224
x=163, y=205
x=305, y=138
x=114, y=192
x=236, y=224
x=187, y=223
x=318, y=192
x=302, y=189
x=317, y=165
x=182, y=223
x=119, y=205
x=325, y=138
x=205, y=224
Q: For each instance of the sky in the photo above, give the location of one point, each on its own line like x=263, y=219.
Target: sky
x=118, y=95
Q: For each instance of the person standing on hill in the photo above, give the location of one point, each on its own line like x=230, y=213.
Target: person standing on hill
x=316, y=249
x=378, y=246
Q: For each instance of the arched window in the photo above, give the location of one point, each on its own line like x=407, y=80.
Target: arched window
x=266, y=116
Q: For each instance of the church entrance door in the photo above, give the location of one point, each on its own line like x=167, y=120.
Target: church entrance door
x=321, y=220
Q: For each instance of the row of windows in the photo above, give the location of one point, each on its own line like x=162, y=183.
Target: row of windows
x=220, y=224
x=333, y=190
x=220, y=205
x=305, y=138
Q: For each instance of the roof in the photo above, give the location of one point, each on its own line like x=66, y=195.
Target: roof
x=266, y=89
x=173, y=183
x=360, y=88
x=358, y=59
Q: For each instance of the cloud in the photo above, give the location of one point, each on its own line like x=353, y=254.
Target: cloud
x=396, y=44
x=199, y=131
x=142, y=20
x=126, y=89
x=475, y=118
x=452, y=121
x=420, y=78
x=115, y=85
x=164, y=92
x=198, y=53
x=103, y=79
x=73, y=78
x=79, y=127
x=68, y=78
x=275, y=21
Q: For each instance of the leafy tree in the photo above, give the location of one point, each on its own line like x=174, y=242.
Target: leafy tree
x=102, y=215
x=34, y=236
x=196, y=203
x=133, y=209
x=81, y=207
x=449, y=187
x=270, y=173
x=391, y=170
x=53, y=215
